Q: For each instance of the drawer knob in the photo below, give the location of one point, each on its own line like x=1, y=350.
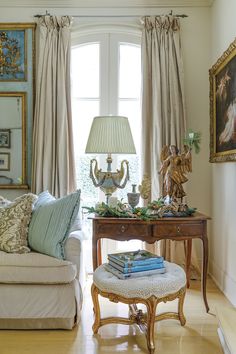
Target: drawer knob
x=178, y=229
x=122, y=228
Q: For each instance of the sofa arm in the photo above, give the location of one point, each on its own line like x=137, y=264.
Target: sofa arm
x=74, y=253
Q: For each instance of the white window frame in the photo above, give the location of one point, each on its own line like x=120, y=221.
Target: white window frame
x=117, y=34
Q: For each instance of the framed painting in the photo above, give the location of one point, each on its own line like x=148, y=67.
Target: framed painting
x=13, y=52
x=223, y=107
x=4, y=161
x=5, y=138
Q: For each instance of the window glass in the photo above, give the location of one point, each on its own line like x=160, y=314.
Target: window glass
x=85, y=105
x=83, y=112
x=129, y=106
x=85, y=70
x=131, y=109
x=130, y=73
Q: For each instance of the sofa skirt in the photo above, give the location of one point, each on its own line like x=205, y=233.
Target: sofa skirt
x=40, y=306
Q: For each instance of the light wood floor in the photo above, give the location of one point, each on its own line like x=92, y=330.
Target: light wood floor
x=198, y=336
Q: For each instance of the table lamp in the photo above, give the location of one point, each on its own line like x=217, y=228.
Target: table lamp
x=110, y=135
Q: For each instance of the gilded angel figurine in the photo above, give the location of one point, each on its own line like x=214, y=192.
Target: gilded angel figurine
x=174, y=168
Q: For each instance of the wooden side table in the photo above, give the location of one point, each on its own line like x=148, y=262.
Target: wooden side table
x=173, y=228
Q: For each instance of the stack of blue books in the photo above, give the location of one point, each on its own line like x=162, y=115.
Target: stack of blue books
x=135, y=264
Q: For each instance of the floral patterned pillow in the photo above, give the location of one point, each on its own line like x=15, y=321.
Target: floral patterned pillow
x=14, y=220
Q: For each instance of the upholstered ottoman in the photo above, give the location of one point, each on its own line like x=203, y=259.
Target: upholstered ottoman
x=148, y=290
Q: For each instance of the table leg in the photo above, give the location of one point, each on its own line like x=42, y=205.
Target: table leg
x=204, y=269
x=188, y=261
x=94, y=251
x=99, y=253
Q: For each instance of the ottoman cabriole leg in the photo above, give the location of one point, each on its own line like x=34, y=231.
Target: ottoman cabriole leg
x=151, y=305
x=96, y=309
x=173, y=315
x=182, y=318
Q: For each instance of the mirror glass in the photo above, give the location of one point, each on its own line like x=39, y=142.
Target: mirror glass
x=13, y=140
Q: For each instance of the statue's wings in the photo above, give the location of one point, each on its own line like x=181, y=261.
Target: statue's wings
x=165, y=152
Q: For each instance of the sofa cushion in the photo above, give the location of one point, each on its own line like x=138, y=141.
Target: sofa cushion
x=14, y=220
x=35, y=268
x=51, y=222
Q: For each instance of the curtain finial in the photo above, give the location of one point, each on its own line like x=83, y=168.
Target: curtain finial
x=46, y=14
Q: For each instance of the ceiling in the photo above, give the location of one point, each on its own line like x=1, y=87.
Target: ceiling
x=104, y=3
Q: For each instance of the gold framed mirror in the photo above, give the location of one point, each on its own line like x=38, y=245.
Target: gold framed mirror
x=13, y=144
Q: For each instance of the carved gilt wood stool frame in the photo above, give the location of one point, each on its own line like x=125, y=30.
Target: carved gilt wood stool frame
x=145, y=321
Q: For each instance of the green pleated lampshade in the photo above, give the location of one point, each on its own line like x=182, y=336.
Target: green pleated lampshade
x=110, y=135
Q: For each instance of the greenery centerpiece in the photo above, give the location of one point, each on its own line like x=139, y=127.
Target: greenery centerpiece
x=155, y=209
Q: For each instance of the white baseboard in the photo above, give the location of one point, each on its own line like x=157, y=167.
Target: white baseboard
x=225, y=283
x=223, y=342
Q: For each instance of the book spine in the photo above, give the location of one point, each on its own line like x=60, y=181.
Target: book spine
x=116, y=272
x=147, y=272
x=137, y=262
x=136, y=268
x=120, y=275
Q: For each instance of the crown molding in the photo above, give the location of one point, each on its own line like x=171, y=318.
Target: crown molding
x=105, y=3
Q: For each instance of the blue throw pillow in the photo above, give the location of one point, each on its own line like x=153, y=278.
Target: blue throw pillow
x=51, y=222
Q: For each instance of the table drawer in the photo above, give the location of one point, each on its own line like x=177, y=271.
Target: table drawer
x=175, y=229
x=123, y=229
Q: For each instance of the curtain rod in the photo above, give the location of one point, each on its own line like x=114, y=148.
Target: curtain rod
x=170, y=14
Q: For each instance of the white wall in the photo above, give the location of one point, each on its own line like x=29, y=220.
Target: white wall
x=196, y=43
x=196, y=55
x=223, y=246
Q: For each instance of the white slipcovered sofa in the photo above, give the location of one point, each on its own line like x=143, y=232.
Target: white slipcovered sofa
x=37, y=290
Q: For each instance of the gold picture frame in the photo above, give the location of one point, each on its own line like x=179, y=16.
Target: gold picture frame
x=222, y=77
x=15, y=103
x=13, y=52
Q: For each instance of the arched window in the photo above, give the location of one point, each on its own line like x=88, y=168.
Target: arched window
x=106, y=79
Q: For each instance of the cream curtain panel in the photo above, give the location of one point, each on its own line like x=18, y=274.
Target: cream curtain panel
x=53, y=165
x=163, y=106
x=163, y=113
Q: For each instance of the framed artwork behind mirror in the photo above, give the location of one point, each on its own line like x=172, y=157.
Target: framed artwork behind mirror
x=4, y=161
x=5, y=138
